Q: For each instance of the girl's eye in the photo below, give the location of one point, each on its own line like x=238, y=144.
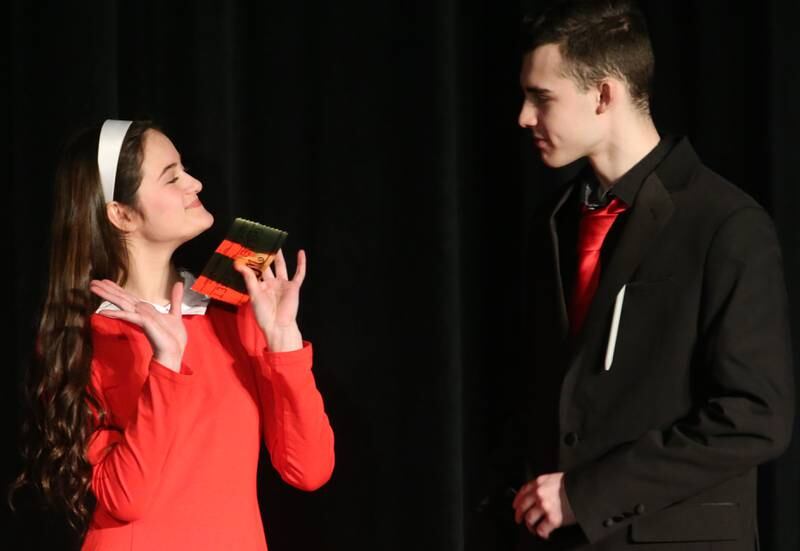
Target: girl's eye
x=175, y=179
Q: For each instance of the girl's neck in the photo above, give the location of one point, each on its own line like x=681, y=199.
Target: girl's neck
x=151, y=275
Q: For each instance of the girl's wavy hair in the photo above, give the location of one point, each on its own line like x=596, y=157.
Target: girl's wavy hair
x=62, y=410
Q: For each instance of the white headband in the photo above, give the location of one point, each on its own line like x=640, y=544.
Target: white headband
x=108, y=147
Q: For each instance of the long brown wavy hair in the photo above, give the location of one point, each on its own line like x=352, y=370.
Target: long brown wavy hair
x=85, y=245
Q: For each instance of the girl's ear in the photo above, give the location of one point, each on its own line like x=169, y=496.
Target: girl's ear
x=122, y=217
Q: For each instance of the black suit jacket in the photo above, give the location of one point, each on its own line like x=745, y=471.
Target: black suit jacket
x=663, y=446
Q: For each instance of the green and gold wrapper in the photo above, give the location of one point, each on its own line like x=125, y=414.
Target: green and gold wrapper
x=246, y=242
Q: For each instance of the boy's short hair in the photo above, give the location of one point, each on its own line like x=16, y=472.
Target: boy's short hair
x=598, y=39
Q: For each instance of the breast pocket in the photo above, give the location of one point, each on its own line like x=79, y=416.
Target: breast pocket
x=639, y=321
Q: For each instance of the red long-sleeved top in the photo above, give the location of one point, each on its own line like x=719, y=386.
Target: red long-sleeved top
x=174, y=464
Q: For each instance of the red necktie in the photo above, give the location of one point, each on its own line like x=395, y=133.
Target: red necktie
x=592, y=232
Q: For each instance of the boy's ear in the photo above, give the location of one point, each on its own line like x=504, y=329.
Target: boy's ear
x=606, y=94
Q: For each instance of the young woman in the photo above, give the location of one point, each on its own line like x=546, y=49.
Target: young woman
x=149, y=401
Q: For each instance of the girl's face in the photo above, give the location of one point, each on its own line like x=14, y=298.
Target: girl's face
x=170, y=211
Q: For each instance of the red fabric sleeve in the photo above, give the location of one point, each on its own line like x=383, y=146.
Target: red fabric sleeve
x=127, y=460
x=296, y=429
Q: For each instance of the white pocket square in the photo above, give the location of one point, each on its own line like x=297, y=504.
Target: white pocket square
x=612, y=334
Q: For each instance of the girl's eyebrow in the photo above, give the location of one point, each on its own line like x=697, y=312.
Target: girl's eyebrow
x=166, y=168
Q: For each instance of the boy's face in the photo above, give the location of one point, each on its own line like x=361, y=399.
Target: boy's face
x=563, y=119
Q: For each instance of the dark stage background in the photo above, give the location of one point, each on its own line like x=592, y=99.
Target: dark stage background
x=383, y=137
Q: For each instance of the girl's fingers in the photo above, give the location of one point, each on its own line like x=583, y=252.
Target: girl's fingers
x=176, y=304
x=250, y=279
x=118, y=292
x=280, y=266
x=268, y=273
x=106, y=284
x=112, y=288
x=111, y=292
x=300, y=272
x=131, y=317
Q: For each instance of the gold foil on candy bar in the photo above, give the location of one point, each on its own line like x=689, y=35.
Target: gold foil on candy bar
x=256, y=262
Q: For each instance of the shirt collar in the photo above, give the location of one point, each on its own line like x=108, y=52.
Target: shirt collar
x=595, y=196
x=193, y=302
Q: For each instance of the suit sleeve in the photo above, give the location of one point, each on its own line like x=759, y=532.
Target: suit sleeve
x=744, y=416
x=127, y=461
x=297, y=432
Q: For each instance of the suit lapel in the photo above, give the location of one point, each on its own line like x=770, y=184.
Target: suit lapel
x=651, y=210
x=560, y=300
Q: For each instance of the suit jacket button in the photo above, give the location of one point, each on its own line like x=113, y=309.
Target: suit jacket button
x=571, y=439
x=639, y=509
x=608, y=523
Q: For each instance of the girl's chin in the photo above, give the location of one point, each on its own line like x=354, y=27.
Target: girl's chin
x=207, y=219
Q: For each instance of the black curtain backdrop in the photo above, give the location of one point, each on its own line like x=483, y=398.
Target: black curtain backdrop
x=382, y=136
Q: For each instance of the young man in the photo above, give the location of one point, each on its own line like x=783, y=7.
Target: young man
x=661, y=374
